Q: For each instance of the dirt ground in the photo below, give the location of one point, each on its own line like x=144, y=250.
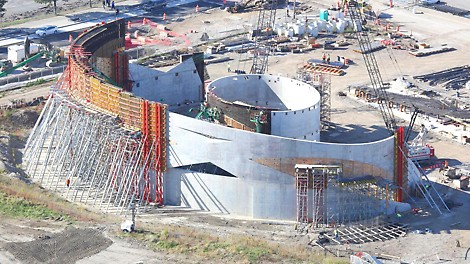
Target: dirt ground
x=50, y=241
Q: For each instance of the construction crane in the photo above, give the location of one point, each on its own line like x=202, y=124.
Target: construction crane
x=418, y=149
x=354, y=10
x=261, y=35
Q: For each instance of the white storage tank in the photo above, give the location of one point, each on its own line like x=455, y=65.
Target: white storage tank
x=312, y=30
x=281, y=31
x=329, y=28
x=296, y=28
x=276, y=27
x=300, y=28
x=321, y=24
x=341, y=26
x=467, y=85
x=289, y=32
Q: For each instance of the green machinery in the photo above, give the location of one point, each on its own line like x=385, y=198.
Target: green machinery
x=259, y=119
x=21, y=64
x=207, y=113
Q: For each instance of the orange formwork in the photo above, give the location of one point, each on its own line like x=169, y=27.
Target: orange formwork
x=82, y=84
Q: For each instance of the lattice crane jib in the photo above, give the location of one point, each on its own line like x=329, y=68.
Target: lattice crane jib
x=261, y=35
x=370, y=61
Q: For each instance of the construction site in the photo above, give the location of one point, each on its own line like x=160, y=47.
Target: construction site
x=340, y=124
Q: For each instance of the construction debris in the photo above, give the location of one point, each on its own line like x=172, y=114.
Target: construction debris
x=371, y=47
x=453, y=78
x=430, y=51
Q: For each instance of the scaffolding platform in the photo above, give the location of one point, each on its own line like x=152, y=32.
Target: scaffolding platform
x=362, y=234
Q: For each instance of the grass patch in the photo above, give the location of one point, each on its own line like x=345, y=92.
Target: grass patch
x=200, y=246
x=22, y=200
x=24, y=20
x=21, y=208
x=37, y=82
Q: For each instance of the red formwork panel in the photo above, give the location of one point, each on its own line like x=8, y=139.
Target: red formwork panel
x=82, y=84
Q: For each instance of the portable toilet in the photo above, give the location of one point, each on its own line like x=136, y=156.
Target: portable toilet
x=324, y=14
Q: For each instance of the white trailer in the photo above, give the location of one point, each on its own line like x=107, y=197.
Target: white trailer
x=16, y=52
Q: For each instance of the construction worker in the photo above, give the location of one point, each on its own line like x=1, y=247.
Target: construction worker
x=324, y=57
x=67, y=182
x=228, y=67
x=398, y=217
x=336, y=234
x=328, y=59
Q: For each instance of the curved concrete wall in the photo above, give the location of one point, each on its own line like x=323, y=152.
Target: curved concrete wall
x=298, y=103
x=263, y=166
x=257, y=179
x=265, y=91
x=297, y=124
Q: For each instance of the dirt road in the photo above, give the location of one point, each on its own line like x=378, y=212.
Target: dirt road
x=26, y=93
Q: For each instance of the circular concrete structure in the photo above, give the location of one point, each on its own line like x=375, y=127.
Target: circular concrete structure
x=291, y=107
x=173, y=159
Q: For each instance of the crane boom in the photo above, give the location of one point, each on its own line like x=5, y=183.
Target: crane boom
x=370, y=61
x=261, y=34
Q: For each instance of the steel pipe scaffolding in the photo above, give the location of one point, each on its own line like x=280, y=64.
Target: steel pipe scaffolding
x=337, y=200
x=86, y=156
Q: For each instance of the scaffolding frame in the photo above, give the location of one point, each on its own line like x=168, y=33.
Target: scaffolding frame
x=319, y=179
x=302, y=186
x=339, y=201
x=322, y=83
x=86, y=156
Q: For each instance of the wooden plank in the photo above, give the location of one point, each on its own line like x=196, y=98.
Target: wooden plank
x=361, y=234
x=370, y=235
x=332, y=239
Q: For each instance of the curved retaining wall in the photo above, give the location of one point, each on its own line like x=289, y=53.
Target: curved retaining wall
x=261, y=167
x=82, y=83
x=293, y=106
x=134, y=158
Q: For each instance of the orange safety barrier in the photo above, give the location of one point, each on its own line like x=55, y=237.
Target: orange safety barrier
x=164, y=16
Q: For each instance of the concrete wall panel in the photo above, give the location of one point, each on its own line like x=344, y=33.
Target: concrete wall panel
x=261, y=163
x=178, y=85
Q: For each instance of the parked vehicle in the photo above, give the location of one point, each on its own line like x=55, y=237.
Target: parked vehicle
x=47, y=30
x=5, y=65
x=429, y=2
